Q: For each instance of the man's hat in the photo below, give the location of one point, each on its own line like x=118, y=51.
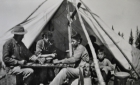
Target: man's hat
x=19, y=30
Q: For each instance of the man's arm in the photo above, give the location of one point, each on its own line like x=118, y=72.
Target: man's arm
x=7, y=54
x=38, y=47
x=76, y=57
x=109, y=66
x=47, y=55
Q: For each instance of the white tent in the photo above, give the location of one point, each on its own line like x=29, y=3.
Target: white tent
x=56, y=12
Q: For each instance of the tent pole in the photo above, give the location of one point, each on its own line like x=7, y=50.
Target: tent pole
x=70, y=19
x=111, y=39
x=101, y=81
x=69, y=31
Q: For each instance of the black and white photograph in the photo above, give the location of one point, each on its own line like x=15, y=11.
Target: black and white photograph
x=69, y=42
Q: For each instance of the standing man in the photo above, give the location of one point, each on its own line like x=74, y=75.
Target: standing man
x=45, y=48
x=80, y=58
x=15, y=54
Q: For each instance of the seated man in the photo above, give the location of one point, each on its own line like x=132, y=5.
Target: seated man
x=46, y=51
x=80, y=58
x=15, y=54
x=105, y=65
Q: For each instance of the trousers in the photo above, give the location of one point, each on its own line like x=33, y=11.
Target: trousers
x=65, y=73
x=45, y=75
x=26, y=73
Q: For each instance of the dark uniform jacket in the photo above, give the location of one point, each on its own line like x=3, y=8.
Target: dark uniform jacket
x=14, y=51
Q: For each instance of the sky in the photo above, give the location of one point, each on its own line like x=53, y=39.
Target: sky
x=14, y=11
x=123, y=15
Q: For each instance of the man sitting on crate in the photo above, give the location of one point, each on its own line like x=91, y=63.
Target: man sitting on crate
x=80, y=58
x=15, y=54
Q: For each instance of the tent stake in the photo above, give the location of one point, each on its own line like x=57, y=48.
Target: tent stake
x=111, y=39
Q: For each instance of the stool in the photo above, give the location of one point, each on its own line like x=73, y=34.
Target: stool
x=121, y=78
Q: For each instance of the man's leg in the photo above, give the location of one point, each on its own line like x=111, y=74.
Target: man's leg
x=65, y=73
x=27, y=73
x=43, y=75
x=51, y=74
x=104, y=75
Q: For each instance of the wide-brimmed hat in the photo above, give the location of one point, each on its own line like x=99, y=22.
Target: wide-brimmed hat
x=19, y=30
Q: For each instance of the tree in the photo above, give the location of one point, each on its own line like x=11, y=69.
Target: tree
x=131, y=38
x=119, y=33
x=122, y=35
x=137, y=33
x=112, y=28
x=137, y=42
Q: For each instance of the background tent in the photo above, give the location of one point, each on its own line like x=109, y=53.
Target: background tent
x=56, y=13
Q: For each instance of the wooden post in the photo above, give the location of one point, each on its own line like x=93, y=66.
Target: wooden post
x=100, y=78
x=69, y=31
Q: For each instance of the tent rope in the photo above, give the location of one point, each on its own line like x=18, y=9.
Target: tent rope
x=27, y=19
x=95, y=15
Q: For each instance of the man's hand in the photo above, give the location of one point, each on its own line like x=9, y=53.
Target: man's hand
x=105, y=69
x=22, y=62
x=41, y=60
x=53, y=55
x=16, y=70
x=33, y=58
x=85, y=57
x=56, y=61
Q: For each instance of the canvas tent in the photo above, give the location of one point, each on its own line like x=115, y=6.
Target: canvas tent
x=55, y=13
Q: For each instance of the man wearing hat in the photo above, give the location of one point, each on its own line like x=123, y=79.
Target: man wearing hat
x=79, y=57
x=15, y=54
